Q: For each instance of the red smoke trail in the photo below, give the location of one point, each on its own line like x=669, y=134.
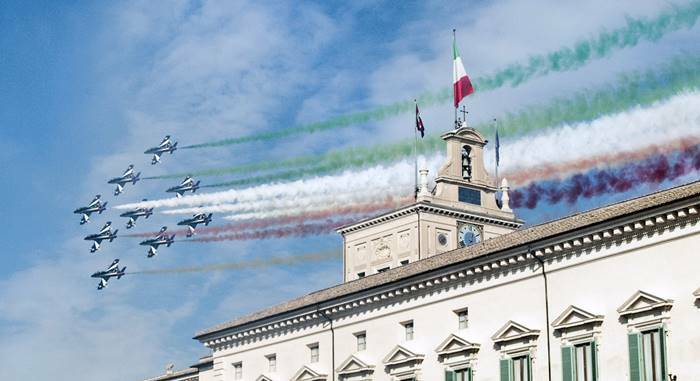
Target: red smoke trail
x=553, y=170
x=389, y=203
x=652, y=170
x=300, y=230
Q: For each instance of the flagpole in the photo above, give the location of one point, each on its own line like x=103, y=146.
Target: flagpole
x=454, y=70
x=495, y=126
x=415, y=150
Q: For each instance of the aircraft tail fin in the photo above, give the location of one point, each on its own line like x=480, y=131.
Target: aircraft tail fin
x=103, y=207
x=136, y=178
x=206, y=223
x=123, y=271
x=171, y=240
x=173, y=148
x=114, y=235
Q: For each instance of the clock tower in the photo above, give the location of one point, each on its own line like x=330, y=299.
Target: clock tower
x=462, y=209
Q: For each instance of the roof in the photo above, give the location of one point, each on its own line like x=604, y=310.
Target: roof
x=174, y=375
x=508, y=241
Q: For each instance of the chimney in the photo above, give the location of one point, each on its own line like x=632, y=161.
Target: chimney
x=505, y=199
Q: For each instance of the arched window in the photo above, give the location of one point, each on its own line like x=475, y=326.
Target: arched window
x=466, y=163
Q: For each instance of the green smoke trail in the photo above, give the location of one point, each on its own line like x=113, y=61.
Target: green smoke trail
x=563, y=59
x=246, y=265
x=636, y=89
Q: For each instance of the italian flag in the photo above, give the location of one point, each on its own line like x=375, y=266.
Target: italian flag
x=462, y=84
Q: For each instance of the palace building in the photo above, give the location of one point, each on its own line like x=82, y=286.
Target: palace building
x=453, y=288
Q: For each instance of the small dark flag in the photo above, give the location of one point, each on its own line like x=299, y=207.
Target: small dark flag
x=498, y=148
x=419, y=123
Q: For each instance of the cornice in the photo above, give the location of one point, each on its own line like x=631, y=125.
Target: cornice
x=475, y=268
x=434, y=209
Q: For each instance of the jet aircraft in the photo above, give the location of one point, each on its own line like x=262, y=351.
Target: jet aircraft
x=112, y=271
x=95, y=206
x=191, y=223
x=187, y=185
x=127, y=177
x=161, y=238
x=165, y=146
x=134, y=214
x=105, y=233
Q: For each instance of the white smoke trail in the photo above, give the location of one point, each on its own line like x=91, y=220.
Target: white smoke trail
x=283, y=205
x=390, y=177
x=662, y=122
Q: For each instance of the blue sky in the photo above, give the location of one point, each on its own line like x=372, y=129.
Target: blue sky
x=85, y=87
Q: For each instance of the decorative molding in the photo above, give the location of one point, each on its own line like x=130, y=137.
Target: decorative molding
x=430, y=208
x=354, y=364
x=641, y=302
x=263, y=377
x=307, y=373
x=513, y=331
x=474, y=268
x=454, y=344
x=697, y=293
x=400, y=355
x=575, y=317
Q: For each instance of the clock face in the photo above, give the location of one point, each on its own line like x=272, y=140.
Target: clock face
x=468, y=235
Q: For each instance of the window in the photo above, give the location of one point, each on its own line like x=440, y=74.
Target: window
x=272, y=363
x=361, y=274
x=238, y=371
x=361, y=341
x=648, y=355
x=314, y=352
x=521, y=368
x=383, y=269
x=516, y=369
x=462, y=318
x=408, y=330
x=404, y=262
x=466, y=163
x=458, y=375
x=579, y=362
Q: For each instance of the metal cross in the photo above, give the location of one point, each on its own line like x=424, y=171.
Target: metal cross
x=464, y=113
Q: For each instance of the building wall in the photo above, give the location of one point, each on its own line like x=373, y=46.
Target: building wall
x=599, y=280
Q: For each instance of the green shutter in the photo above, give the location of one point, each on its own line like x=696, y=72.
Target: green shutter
x=635, y=353
x=567, y=363
x=506, y=370
x=594, y=360
x=470, y=375
x=449, y=375
x=528, y=363
x=664, y=359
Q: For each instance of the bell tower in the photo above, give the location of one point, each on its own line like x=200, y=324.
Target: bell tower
x=461, y=210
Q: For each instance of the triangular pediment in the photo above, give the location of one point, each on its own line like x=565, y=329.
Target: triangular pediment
x=697, y=293
x=574, y=316
x=306, y=373
x=643, y=301
x=513, y=331
x=401, y=354
x=454, y=344
x=263, y=377
x=354, y=364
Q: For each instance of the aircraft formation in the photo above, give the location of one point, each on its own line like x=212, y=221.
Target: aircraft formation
x=106, y=234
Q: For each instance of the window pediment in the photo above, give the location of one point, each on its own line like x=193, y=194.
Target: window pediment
x=455, y=344
x=574, y=317
x=354, y=364
x=513, y=331
x=400, y=355
x=307, y=373
x=263, y=377
x=642, y=302
x=697, y=293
